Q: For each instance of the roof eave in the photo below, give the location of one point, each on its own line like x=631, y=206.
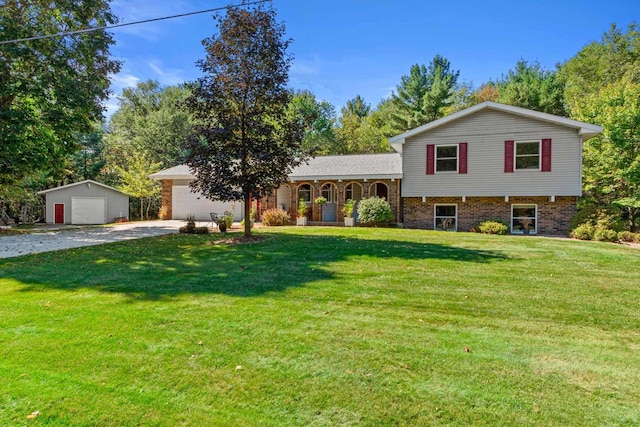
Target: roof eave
x=370, y=177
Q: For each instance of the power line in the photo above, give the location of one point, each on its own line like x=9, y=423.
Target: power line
x=109, y=27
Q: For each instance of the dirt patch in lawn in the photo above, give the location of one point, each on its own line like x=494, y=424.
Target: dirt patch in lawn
x=238, y=240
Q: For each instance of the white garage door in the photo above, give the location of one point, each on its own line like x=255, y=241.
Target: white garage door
x=88, y=210
x=185, y=203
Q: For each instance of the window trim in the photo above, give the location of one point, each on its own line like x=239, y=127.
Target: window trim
x=308, y=202
x=435, y=217
x=435, y=158
x=522, y=205
x=515, y=155
x=332, y=192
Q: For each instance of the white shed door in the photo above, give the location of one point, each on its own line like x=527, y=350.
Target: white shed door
x=185, y=203
x=88, y=210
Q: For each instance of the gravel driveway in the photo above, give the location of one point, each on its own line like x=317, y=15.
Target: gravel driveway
x=44, y=241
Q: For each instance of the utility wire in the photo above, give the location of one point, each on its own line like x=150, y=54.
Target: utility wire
x=108, y=27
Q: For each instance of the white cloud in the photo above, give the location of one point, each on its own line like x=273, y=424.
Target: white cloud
x=169, y=76
x=309, y=66
x=121, y=80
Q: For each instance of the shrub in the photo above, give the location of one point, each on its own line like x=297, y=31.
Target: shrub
x=605, y=235
x=275, y=217
x=584, y=231
x=492, y=227
x=190, y=227
x=348, y=207
x=374, y=210
x=302, y=208
x=627, y=236
x=227, y=218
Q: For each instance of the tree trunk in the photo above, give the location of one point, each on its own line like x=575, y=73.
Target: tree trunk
x=247, y=215
x=141, y=208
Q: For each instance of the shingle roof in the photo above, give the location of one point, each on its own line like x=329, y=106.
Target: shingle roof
x=86, y=181
x=355, y=166
x=176, y=172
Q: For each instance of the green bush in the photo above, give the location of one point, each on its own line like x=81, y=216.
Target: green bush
x=348, y=207
x=605, y=235
x=584, y=231
x=627, y=236
x=492, y=227
x=227, y=218
x=275, y=217
x=190, y=227
x=374, y=210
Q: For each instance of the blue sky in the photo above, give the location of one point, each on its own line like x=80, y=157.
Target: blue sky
x=343, y=48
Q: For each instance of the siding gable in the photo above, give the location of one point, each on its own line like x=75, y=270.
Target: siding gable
x=485, y=133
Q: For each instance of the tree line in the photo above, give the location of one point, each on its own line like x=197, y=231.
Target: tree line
x=51, y=130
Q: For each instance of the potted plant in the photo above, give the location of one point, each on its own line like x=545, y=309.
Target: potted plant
x=347, y=210
x=526, y=224
x=321, y=201
x=302, y=213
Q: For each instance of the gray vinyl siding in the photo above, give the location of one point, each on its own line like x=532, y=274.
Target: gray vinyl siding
x=485, y=133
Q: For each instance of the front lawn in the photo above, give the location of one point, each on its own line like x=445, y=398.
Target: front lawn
x=323, y=326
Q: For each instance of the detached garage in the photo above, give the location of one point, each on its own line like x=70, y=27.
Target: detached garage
x=86, y=202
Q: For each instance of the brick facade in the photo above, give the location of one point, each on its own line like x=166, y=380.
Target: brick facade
x=553, y=217
x=166, y=209
x=368, y=190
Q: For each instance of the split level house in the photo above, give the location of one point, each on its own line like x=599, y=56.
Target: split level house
x=487, y=162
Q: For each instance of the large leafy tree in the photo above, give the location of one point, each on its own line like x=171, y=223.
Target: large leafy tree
x=134, y=180
x=318, y=118
x=612, y=160
x=150, y=121
x=360, y=130
x=603, y=87
x=244, y=143
x=600, y=64
x=424, y=94
x=50, y=88
x=533, y=87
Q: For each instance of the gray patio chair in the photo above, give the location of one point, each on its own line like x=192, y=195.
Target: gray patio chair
x=215, y=220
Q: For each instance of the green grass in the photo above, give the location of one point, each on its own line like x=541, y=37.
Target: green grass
x=323, y=326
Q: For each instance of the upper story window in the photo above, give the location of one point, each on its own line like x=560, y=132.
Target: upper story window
x=527, y=155
x=447, y=158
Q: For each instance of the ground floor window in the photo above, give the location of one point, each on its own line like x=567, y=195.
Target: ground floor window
x=524, y=219
x=446, y=217
x=330, y=192
x=304, y=193
x=352, y=191
x=379, y=189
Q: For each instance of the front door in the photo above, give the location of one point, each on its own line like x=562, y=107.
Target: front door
x=58, y=213
x=329, y=210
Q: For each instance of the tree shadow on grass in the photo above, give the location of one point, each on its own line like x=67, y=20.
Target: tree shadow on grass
x=159, y=268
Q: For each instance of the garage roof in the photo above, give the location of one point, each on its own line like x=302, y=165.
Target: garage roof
x=86, y=181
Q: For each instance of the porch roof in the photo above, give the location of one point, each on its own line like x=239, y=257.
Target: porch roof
x=354, y=166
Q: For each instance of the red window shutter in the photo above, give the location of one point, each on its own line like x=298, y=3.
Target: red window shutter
x=508, y=156
x=430, y=159
x=462, y=157
x=546, y=155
